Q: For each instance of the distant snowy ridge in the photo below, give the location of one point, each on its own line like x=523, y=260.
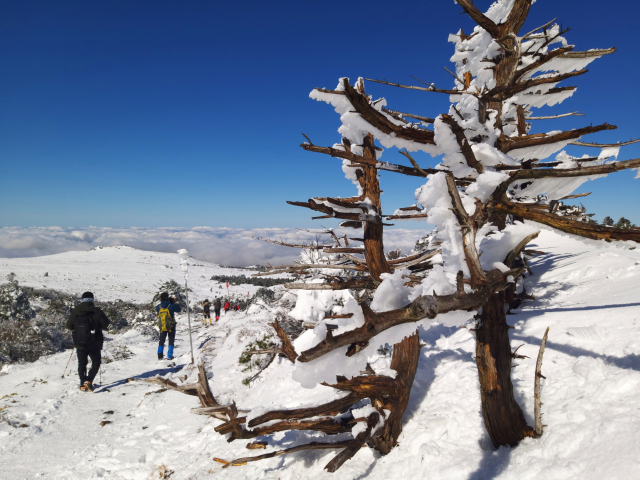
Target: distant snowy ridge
x=226, y=246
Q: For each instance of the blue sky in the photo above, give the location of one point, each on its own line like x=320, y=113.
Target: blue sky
x=179, y=114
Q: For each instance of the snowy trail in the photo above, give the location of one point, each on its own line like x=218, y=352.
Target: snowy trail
x=63, y=437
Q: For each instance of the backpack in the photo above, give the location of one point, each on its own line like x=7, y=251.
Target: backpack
x=165, y=320
x=84, y=333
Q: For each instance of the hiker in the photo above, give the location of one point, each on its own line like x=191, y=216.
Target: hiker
x=166, y=311
x=216, y=309
x=87, y=321
x=226, y=306
x=236, y=308
x=206, y=306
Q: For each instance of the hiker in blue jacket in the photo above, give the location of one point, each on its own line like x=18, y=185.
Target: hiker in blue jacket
x=166, y=311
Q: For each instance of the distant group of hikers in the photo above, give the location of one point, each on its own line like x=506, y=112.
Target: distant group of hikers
x=206, y=306
x=87, y=322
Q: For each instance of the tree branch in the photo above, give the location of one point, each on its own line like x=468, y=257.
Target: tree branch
x=505, y=92
x=557, y=116
x=363, y=106
x=399, y=115
x=468, y=227
x=358, y=159
x=479, y=17
x=465, y=147
x=426, y=306
x=422, y=89
x=506, y=144
x=564, y=224
x=604, y=145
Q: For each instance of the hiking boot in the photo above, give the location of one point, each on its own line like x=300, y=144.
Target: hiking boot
x=160, y=356
x=83, y=388
x=89, y=386
x=171, y=358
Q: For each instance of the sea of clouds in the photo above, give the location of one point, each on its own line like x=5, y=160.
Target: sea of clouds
x=224, y=246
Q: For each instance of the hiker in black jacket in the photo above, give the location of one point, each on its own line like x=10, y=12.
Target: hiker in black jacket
x=216, y=308
x=87, y=321
x=206, y=306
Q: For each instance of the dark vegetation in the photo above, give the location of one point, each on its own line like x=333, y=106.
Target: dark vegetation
x=33, y=321
x=244, y=280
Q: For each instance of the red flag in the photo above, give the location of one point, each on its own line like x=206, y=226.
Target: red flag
x=227, y=284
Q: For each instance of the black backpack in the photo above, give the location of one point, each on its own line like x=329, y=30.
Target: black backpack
x=84, y=333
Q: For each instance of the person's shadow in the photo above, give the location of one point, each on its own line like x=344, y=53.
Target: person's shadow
x=151, y=373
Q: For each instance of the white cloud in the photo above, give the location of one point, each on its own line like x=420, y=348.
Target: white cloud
x=225, y=246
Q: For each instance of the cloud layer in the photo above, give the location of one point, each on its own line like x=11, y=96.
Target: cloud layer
x=225, y=246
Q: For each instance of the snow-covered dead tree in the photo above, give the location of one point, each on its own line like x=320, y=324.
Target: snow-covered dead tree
x=489, y=195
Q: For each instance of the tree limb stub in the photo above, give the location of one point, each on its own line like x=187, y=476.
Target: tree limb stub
x=354, y=446
x=536, y=396
x=406, y=355
x=287, y=348
x=203, y=390
x=511, y=256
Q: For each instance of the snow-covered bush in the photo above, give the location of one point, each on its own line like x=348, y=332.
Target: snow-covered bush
x=14, y=303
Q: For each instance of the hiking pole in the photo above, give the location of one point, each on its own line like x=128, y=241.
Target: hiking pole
x=101, y=374
x=185, y=268
x=65, y=368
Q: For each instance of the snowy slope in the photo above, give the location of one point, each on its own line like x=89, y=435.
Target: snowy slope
x=123, y=273
x=587, y=295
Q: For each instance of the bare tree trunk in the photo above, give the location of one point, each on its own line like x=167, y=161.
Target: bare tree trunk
x=502, y=415
x=373, y=247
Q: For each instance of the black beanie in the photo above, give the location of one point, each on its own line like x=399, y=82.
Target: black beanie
x=164, y=296
x=87, y=295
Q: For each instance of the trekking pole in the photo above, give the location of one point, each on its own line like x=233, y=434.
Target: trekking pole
x=65, y=368
x=101, y=374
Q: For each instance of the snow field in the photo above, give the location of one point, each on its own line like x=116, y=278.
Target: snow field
x=587, y=295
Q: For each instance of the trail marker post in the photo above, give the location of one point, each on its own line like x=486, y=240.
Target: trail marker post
x=185, y=270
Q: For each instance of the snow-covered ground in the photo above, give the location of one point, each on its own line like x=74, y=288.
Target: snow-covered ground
x=587, y=295
x=123, y=273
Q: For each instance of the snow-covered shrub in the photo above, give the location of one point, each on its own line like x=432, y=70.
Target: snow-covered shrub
x=14, y=303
